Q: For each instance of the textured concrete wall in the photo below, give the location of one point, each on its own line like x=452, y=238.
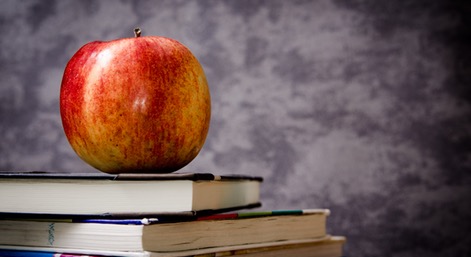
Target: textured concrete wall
x=362, y=107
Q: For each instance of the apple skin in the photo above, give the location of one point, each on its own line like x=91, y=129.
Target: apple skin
x=135, y=105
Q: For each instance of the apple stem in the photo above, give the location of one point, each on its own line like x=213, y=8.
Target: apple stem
x=137, y=32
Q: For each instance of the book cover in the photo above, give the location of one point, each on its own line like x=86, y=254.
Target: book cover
x=124, y=195
x=124, y=176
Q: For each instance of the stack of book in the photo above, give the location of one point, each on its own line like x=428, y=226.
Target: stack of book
x=51, y=214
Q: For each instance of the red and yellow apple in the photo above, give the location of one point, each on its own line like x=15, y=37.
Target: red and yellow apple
x=135, y=105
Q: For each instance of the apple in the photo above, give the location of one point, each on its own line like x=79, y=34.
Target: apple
x=135, y=105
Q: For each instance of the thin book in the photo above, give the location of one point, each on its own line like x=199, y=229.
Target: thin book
x=134, y=195
x=204, y=232
x=329, y=246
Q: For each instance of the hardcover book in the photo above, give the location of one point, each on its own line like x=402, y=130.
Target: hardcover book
x=149, y=234
x=134, y=195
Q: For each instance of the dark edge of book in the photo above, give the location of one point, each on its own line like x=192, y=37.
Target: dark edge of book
x=162, y=217
x=123, y=176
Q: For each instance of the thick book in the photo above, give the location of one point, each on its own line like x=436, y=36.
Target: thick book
x=323, y=247
x=220, y=230
x=136, y=195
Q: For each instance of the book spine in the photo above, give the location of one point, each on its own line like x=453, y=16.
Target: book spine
x=17, y=253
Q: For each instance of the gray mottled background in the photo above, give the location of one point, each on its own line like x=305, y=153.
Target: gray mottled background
x=360, y=106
